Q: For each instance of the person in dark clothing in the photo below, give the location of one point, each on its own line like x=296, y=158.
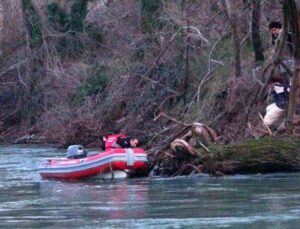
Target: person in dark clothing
x=282, y=97
x=104, y=139
x=128, y=142
x=275, y=29
x=279, y=81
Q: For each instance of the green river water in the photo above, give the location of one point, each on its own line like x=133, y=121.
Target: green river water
x=254, y=201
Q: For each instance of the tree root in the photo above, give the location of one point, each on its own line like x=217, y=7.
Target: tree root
x=199, y=135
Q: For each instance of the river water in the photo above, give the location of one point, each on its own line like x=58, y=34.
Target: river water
x=27, y=201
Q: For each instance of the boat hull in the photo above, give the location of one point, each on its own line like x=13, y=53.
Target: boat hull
x=132, y=161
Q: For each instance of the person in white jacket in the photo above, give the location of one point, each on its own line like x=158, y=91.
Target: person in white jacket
x=275, y=111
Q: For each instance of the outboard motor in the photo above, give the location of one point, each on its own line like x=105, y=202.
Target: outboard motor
x=75, y=152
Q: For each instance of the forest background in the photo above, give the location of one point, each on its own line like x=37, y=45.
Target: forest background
x=75, y=70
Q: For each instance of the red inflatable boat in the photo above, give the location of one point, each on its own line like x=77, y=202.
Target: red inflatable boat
x=133, y=162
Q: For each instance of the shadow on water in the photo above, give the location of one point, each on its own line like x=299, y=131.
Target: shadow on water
x=27, y=201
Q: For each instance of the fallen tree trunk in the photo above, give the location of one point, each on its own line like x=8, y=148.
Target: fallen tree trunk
x=264, y=155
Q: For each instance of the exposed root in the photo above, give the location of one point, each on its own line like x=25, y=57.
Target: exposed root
x=180, y=145
x=198, y=136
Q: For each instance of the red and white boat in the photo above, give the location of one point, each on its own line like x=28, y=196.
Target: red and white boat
x=131, y=162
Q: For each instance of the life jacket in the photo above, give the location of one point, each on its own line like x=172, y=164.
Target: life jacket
x=112, y=140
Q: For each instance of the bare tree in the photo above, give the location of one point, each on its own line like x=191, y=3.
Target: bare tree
x=187, y=56
x=291, y=11
x=231, y=9
x=1, y=28
x=256, y=40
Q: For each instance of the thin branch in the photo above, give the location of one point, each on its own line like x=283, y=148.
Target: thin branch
x=209, y=69
x=12, y=67
x=198, y=33
x=162, y=114
x=286, y=67
x=154, y=64
x=256, y=79
x=20, y=78
x=269, y=130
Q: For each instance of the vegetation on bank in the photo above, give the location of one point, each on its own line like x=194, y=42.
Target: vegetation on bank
x=73, y=71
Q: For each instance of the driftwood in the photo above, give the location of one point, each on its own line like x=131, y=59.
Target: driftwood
x=180, y=145
x=198, y=136
x=30, y=139
x=190, y=142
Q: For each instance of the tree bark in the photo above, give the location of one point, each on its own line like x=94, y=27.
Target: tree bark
x=231, y=11
x=291, y=11
x=1, y=30
x=187, y=57
x=256, y=40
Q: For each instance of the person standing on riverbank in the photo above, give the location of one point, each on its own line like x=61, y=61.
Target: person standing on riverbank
x=276, y=30
x=279, y=83
x=275, y=111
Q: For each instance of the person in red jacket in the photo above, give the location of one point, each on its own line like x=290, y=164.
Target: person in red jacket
x=119, y=141
x=127, y=142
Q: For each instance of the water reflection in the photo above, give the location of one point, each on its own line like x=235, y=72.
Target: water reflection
x=101, y=199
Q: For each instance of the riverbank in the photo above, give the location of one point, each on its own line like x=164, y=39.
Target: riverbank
x=264, y=155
